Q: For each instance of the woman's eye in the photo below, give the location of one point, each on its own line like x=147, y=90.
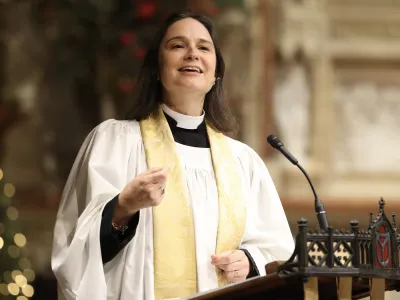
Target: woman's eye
x=177, y=46
x=204, y=48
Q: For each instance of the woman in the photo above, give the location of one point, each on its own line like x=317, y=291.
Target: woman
x=164, y=205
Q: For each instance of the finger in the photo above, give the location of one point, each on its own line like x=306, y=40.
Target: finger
x=157, y=177
x=162, y=191
x=141, y=178
x=238, y=275
x=153, y=188
x=155, y=170
x=156, y=197
x=233, y=266
x=227, y=258
x=217, y=256
x=158, y=189
x=151, y=171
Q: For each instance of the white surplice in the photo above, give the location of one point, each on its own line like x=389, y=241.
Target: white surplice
x=111, y=156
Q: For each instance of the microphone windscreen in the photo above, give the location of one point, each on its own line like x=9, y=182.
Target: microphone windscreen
x=274, y=141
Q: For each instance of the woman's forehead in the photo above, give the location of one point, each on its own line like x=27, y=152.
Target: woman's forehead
x=187, y=29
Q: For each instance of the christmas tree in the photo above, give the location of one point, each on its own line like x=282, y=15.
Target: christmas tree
x=16, y=274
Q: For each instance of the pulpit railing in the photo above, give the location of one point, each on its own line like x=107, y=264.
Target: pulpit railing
x=373, y=252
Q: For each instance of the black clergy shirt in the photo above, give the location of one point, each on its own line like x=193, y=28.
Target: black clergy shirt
x=113, y=241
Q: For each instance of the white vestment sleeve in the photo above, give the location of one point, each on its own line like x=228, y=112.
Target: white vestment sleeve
x=268, y=236
x=98, y=175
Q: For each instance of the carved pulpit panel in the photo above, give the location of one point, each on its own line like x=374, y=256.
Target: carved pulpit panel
x=384, y=240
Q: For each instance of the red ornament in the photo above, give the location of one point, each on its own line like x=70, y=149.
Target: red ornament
x=140, y=53
x=212, y=9
x=125, y=85
x=146, y=10
x=127, y=38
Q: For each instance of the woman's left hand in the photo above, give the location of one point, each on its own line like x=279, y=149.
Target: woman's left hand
x=234, y=264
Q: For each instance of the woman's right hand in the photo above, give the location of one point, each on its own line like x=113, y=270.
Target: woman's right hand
x=145, y=190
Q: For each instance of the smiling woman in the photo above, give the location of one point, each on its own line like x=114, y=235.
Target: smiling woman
x=164, y=204
x=187, y=66
x=194, y=45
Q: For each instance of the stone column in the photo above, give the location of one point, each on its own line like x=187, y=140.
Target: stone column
x=252, y=108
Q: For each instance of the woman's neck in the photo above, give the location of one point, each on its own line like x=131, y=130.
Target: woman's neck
x=183, y=121
x=190, y=106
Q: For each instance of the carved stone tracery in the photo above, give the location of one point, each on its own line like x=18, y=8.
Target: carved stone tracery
x=335, y=39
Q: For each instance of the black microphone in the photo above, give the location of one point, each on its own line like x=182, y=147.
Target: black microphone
x=319, y=207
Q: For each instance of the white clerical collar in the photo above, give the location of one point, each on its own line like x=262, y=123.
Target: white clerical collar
x=183, y=121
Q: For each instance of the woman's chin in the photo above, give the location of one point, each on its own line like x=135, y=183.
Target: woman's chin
x=192, y=87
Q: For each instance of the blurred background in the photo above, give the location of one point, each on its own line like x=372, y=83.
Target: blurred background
x=322, y=75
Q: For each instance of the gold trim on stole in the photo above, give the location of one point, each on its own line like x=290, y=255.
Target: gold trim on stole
x=175, y=272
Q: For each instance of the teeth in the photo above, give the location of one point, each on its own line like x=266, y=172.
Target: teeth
x=191, y=69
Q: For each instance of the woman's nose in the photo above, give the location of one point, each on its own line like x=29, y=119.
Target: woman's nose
x=192, y=54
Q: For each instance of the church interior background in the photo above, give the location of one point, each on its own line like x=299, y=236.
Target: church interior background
x=323, y=75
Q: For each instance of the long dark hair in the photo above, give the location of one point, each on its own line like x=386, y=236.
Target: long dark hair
x=149, y=88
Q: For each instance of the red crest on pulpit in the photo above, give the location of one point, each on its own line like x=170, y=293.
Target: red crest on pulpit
x=383, y=247
x=383, y=239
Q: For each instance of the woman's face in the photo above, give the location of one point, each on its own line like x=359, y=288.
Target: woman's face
x=187, y=58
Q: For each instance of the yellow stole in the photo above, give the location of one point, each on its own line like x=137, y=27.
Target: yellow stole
x=175, y=273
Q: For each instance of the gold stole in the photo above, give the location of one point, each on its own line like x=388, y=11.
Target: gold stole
x=175, y=273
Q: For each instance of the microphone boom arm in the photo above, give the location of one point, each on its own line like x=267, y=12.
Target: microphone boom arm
x=308, y=179
x=319, y=207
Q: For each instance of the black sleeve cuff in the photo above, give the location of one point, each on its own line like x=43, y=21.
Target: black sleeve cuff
x=253, y=267
x=113, y=241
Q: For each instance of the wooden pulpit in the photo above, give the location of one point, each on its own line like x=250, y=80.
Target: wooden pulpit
x=328, y=265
